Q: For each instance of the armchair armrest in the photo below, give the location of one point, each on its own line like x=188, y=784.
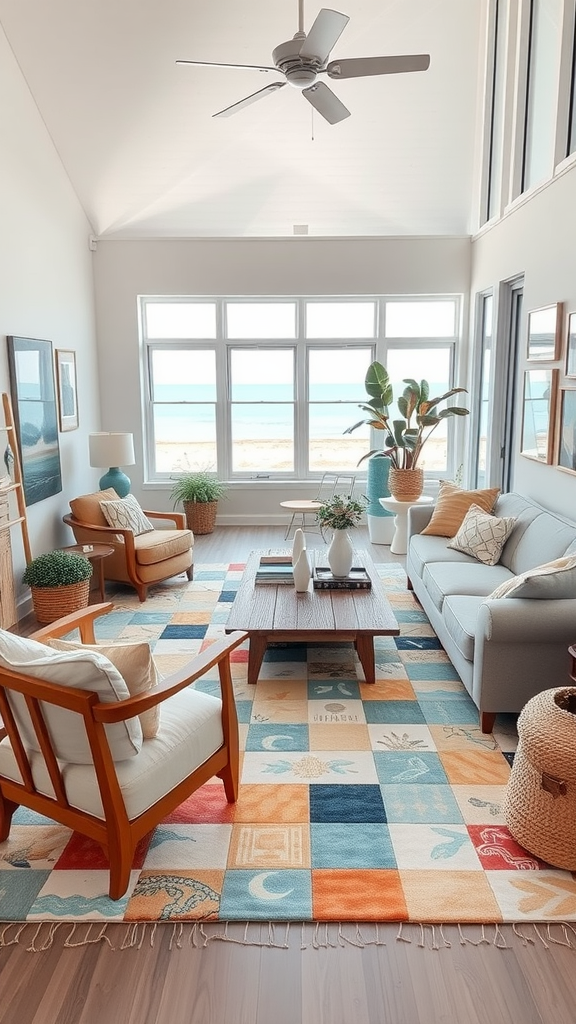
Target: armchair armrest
x=178, y=518
x=83, y=620
x=217, y=654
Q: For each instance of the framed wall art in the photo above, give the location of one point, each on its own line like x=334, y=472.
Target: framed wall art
x=35, y=418
x=538, y=414
x=566, y=433
x=571, y=346
x=544, y=333
x=67, y=389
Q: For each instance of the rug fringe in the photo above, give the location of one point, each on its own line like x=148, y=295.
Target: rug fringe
x=321, y=935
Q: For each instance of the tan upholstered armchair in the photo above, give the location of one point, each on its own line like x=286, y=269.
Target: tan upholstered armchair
x=139, y=559
x=74, y=748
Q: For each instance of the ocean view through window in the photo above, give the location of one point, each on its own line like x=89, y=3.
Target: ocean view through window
x=265, y=388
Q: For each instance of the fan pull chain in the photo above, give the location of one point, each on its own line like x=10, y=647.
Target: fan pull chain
x=312, y=124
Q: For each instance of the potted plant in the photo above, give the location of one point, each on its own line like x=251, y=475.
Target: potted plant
x=199, y=493
x=403, y=438
x=60, y=584
x=340, y=513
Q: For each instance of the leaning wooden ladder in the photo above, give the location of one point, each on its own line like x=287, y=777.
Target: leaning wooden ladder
x=8, y=611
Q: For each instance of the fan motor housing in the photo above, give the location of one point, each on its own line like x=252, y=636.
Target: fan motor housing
x=300, y=73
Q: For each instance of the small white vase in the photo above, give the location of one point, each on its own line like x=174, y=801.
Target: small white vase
x=302, y=572
x=298, y=545
x=340, y=553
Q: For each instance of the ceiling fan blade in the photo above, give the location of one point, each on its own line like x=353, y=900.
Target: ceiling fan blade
x=326, y=102
x=252, y=98
x=358, y=67
x=325, y=32
x=211, y=64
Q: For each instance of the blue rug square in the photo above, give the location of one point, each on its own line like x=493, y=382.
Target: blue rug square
x=400, y=767
x=340, y=845
x=227, y=596
x=421, y=804
x=418, y=643
x=266, y=895
x=183, y=632
x=346, y=804
x=382, y=712
x=279, y=736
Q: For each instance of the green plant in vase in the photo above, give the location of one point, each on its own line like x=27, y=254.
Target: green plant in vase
x=199, y=493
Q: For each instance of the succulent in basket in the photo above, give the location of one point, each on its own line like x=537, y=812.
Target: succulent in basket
x=341, y=512
x=57, y=569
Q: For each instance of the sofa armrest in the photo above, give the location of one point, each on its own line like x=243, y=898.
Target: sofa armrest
x=519, y=620
x=418, y=517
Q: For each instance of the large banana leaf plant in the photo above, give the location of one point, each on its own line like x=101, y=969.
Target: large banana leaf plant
x=403, y=438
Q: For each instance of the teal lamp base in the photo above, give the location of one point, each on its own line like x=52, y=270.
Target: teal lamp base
x=117, y=479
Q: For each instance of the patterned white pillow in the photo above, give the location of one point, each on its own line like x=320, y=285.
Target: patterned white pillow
x=553, y=580
x=126, y=514
x=482, y=535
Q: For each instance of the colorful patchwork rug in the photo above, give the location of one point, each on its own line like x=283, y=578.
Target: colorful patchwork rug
x=358, y=803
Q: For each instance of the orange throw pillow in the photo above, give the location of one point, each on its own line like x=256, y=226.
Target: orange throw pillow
x=452, y=506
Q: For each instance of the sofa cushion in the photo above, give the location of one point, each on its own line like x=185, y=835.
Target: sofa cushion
x=87, y=509
x=470, y=578
x=482, y=535
x=135, y=664
x=545, y=538
x=433, y=549
x=126, y=514
x=460, y=617
x=452, y=505
x=85, y=670
x=554, y=580
x=161, y=544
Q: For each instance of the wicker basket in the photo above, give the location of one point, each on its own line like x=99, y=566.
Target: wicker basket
x=51, y=603
x=406, y=484
x=540, y=802
x=200, y=515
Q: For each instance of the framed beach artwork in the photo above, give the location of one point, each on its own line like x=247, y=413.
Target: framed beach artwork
x=540, y=390
x=571, y=346
x=67, y=390
x=31, y=369
x=544, y=333
x=566, y=446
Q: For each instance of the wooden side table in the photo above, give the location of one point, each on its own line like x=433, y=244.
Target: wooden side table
x=95, y=553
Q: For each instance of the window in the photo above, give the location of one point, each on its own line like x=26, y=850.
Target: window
x=482, y=397
x=260, y=388
x=496, y=142
x=544, y=56
x=572, y=122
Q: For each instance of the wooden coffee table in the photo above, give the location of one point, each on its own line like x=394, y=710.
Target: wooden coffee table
x=277, y=614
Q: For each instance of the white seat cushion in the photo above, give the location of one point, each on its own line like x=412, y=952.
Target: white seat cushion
x=190, y=731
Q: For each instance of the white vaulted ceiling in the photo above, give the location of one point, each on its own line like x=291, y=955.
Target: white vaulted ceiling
x=135, y=133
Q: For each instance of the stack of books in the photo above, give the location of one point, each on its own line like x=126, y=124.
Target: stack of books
x=275, y=569
x=357, y=579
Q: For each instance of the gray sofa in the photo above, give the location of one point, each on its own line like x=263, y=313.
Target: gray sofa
x=504, y=650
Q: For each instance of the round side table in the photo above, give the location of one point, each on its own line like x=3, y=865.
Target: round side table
x=95, y=553
x=400, y=511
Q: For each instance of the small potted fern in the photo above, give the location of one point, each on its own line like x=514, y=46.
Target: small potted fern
x=199, y=493
x=59, y=582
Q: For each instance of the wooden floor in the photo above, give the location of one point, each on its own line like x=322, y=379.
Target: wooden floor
x=233, y=983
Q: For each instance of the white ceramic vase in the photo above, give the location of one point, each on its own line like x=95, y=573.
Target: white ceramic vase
x=298, y=545
x=340, y=553
x=302, y=572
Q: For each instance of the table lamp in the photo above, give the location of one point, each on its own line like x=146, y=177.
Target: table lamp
x=113, y=450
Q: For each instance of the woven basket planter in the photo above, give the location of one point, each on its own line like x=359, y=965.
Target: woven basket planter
x=51, y=603
x=540, y=802
x=406, y=484
x=200, y=515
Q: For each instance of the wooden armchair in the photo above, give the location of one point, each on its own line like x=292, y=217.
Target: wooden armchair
x=76, y=753
x=138, y=559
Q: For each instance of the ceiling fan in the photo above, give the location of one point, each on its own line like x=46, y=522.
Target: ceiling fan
x=304, y=57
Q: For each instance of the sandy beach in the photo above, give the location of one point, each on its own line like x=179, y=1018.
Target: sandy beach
x=265, y=455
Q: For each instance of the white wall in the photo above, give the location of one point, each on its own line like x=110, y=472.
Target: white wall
x=126, y=269
x=46, y=287
x=538, y=239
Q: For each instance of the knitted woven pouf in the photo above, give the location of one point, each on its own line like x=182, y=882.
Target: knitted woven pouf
x=540, y=802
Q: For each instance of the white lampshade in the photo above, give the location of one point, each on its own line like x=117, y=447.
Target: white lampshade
x=110, y=449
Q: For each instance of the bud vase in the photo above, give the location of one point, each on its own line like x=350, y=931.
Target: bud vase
x=340, y=553
x=298, y=545
x=302, y=572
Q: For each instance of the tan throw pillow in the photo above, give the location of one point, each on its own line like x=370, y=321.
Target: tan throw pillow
x=452, y=505
x=126, y=514
x=135, y=664
x=551, y=581
x=482, y=535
